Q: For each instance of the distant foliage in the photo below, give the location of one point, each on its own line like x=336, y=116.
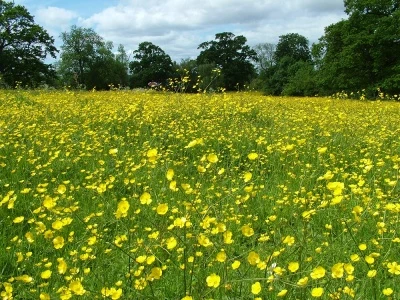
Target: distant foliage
x=23, y=47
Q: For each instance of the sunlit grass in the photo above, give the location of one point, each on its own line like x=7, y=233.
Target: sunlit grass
x=128, y=195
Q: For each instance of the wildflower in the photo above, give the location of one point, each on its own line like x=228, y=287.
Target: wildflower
x=282, y=293
x=162, y=208
x=45, y=274
x=394, y=268
x=235, y=265
x=317, y=292
x=213, y=280
x=171, y=243
x=371, y=273
x=145, y=198
x=212, y=158
x=293, y=266
x=247, y=231
x=58, y=242
x=253, y=258
x=252, y=156
x=387, y=291
x=122, y=210
x=338, y=270
x=113, y=151
x=302, y=281
x=76, y=287
x=61, y=189
x=247, y=176
x=289, y=240
x=170, y=174
x=18, y=219
x=318, y=272
x=256, y=288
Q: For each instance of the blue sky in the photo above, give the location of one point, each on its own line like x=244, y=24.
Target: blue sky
x=179, y=26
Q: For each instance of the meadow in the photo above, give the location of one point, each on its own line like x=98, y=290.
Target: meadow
x=146, y=195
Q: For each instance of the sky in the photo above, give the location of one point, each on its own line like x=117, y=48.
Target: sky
x=179, y=26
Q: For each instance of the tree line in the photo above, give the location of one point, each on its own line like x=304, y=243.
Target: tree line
x=354, y=54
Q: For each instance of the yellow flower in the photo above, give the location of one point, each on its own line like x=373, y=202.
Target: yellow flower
x=252, y=156
x=235, y=265
x=113, y=151
x=394, y=268
x=45, y=274
x=24, y=278
x=318, y=272
x=58, y=242
x=49, y=202
x=256, y=288
x=227, y=237
x=156, y=273
x=322, y=150
x=61, y=189
x=204, y=241
x=253, y=258
x=289, y=240
x=213, y=280
x=170, y=174
x=122, y=209
x=317, y=292
x=338, y=270
x=302, y=281
x=282, y=293
x=221, y=256
x=371, y=273
x=387, y=291
x=145, y=198
x=212, y=158
x=62, y=266
x=369, y=259
x=44, y=296
x=18, y=219
x=171, y=243
x=187, y=298
x=76, y=287
x=162, y=208
x=247, y=231
x=293, y=266
x=247, y=176
x=362, y=247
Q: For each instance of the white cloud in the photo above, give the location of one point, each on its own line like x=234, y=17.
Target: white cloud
x=179, y=26
x=55, y=18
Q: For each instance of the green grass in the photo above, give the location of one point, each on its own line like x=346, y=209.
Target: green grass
x=321, y=180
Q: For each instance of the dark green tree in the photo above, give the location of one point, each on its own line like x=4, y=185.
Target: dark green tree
x=292, y=45
x=150, y=63
x=231, y=54
x=292, y=54
x=24, y=46
x=362, y=51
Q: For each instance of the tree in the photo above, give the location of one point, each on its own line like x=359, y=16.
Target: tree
x=150, y=63
x=292, y=45
x=79, y=50
x=24, y=46
x=292, y=54
x=232, y=55
x=88, y=61
x=362, y=51
x=265, y=56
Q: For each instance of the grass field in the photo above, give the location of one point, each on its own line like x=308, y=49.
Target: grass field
x=134, y=195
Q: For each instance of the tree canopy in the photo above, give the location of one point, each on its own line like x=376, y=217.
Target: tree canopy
x=88, y=61
x=150, y=63
x=24, y=46
x=232, y=55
